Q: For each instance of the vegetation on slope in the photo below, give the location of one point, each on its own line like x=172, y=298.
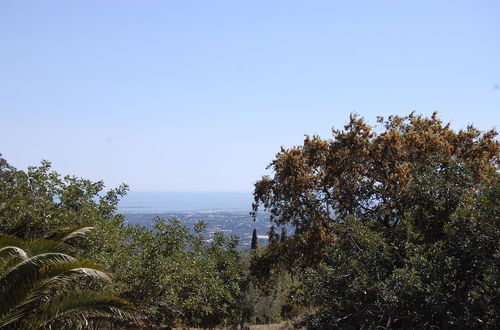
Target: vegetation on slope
x=395, y=226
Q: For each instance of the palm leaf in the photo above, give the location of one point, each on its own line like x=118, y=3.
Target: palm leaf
x=77, y=232
x=64, y=234
x=31, y=272
x=12, y=251
x=39, y=289
x=11, y=240
x=18, y=280
x=32, y=265
x=93, y=305
x=41, y=246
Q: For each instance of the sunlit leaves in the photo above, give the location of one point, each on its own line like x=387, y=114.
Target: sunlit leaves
x=395, y=226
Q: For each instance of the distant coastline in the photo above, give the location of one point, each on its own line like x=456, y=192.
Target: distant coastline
x=227, y=212
x=159, y=202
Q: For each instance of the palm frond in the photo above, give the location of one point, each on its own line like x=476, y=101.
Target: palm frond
x=93, y=305
x=17, y=281
x=61, y=236
x=11, y=240
x=82, y=231
x=33, y=273
x=64, y=234
x=31, y=266
x=12, y=251
x=22, y=283
x=41, y=246
x=19, y=305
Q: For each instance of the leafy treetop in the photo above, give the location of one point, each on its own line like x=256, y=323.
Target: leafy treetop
x=369, y=173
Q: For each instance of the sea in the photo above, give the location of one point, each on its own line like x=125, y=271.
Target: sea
x=153, y=202
x=226, y=212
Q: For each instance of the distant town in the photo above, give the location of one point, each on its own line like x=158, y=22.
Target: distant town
x=239, y=223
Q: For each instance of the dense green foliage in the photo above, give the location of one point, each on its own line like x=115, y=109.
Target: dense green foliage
x=35, y=201
x=175, y=277
x=397, y=229
x=412, y=280
x=169, y=273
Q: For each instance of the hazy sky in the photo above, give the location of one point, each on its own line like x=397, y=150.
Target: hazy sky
x=200, y=95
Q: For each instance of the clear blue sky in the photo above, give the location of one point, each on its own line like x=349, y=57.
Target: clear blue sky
x=200, y=95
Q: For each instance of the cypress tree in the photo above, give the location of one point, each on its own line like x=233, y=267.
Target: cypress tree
x=254, y=239
x=283, y=234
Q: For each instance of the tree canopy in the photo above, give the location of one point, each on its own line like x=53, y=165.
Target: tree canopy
x=38, y=200
x=372, y=174
x=390, y=224
x=171, y=274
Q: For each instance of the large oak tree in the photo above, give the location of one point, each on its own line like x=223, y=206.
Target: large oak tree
x=382, y=207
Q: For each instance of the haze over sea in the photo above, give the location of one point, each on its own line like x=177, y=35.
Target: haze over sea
x=159, y=202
